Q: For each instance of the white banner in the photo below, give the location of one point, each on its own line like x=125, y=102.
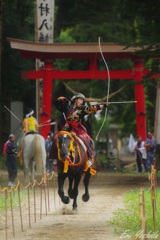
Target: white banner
x=45, y=21
x=132, y=143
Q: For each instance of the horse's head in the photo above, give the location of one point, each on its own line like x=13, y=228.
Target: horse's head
x=65, y=145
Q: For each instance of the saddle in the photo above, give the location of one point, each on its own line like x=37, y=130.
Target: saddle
x=31, y=132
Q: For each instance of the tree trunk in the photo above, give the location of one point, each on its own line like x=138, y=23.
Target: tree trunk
x=0, y=71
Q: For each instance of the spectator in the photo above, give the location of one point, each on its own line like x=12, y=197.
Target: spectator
x=11, y=160
x=48, y=145
x=150, y=145
x=140, y=151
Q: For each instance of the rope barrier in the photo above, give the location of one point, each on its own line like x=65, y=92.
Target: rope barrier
x=142, y=212
x=29, y=213
x=20, y=208
x=34, y=204
x=152, y=179
x=152, y=189
x=6, y=216
x=12, y=213
x=9, y=193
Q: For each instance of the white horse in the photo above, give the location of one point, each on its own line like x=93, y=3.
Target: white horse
x=34, y=154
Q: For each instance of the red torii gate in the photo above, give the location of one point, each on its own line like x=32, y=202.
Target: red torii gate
x=48, y=53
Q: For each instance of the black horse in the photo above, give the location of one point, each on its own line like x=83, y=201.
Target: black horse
x=72, y=163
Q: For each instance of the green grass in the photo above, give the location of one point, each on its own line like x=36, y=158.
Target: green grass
x=5, y=199
x=2, y=162
x=128, y=219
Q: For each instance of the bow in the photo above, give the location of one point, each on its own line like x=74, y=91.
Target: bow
x=105, y=116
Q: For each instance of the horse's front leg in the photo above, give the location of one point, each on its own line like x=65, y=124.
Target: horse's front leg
x=74, y=193
x=85, y=196
x=26, y=171
x=70, y=191
x=61, y=179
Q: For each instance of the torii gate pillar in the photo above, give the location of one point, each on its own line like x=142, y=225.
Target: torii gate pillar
x=139, y=97
x=47, y=96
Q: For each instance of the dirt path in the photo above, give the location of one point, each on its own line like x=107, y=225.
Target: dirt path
x=90, y=222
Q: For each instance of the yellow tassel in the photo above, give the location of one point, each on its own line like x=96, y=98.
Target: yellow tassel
x=71, y=147
x=85, y=166
x=66, y=163
x=92, y=171
x=59, y=154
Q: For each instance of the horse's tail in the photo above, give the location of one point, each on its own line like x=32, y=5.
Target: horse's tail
x=38, y=154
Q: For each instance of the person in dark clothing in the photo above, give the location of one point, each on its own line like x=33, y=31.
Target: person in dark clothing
x=48, y=145
x=73, y=112
x=150, y=145
x=11, y=151
x=141, y=156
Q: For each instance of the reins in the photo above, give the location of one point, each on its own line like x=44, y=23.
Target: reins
x=71, y=149
x=67, y=162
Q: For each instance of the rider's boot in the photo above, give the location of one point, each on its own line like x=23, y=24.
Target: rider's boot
x=20, y=153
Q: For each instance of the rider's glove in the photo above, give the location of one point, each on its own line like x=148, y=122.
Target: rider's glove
x=61, y=98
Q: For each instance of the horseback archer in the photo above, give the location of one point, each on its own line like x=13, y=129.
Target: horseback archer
x=73, y=112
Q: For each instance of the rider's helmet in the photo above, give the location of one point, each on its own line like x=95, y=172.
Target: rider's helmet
x=78, y=95
x=29, y=112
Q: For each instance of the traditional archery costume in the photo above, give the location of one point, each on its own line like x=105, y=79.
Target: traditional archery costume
x=29, y=125
x=73, y=114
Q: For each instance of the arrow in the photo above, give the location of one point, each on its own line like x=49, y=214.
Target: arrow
x=43, y=125
x=114, y=102
x=12, y=114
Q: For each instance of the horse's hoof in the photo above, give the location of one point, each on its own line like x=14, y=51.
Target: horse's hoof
x=71, y=195
x=75, y=209
x=85, y=197
x=66, y=200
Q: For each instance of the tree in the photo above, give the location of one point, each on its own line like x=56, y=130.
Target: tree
x=125, y=22
x=0, y=66
x=131, y=23
x=17, y=21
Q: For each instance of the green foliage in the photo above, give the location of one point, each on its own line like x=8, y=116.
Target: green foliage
x=123, y=22
x=131, y=23
x=97, y=124
x=5, y=201
x=140, y=20
x=2, y=162
x=18, y=22
x=128, y=218
x=18, y=19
